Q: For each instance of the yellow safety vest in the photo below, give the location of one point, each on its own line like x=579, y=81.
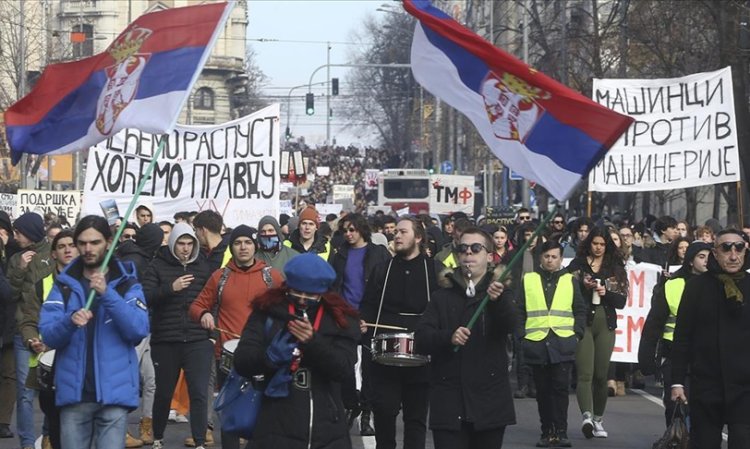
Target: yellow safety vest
x=324, y=254
x=559, y=317
x=227, y=257
x=47, y=284
x=450, y=261
x=673, y=289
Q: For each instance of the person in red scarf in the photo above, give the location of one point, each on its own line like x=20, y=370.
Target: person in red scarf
x=307, y=351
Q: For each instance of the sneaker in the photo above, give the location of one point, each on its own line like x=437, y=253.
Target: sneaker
x=172, y=415
x=544, y=440
x=599, y=431
x=587, y=427
x=180, y=419
x=561, y=439
x=157, y=445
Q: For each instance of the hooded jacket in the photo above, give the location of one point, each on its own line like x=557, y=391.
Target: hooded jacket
x=240, y=290
x=170, y=321
x=40, y=266
x=275, y=259
x=470, y=384
x=312, y=415
x=121, y=323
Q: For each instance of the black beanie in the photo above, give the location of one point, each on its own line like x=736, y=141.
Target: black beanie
x=692, y=250
x=149, y=237
x=5, y=222
x=243, y=231
x=31, y=225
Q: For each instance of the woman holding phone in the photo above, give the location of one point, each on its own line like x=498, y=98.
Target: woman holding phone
x=599, y=268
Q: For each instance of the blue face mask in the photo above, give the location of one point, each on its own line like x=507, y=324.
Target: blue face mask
x=269, y=242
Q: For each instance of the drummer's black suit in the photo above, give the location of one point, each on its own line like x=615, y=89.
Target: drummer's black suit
x=406, y=297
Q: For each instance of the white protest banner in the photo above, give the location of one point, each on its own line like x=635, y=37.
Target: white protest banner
x=343, y=192
x=371, y=179
x=323, y=171
x=642, y=278
x=8, y=204
x=325, y=209
x=232, y=168
x=285, y=207
x=451, y=193
x=684, y=134
x=67, y=204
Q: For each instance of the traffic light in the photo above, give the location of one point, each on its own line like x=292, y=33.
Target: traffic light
x=334, y=86
x=288, y=133
x=309, y=104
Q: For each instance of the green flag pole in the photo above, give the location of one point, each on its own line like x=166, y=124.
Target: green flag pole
x=131, y=206
x=507, y=269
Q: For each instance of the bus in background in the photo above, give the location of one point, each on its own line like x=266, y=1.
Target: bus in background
x=405, y=187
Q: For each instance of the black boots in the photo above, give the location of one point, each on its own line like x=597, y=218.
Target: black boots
x=351, y=415
x=365, y=429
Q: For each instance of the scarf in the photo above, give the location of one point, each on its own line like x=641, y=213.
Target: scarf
x=731, y=290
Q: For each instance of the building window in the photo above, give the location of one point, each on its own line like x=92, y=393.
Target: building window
x=204, y=99
x=82, y=37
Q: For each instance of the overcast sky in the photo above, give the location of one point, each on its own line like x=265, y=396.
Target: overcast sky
x=298, y=31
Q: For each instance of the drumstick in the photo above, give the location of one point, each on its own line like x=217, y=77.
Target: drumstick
x=231, y=334
x=385, y=326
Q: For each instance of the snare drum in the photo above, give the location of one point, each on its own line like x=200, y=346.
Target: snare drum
x=44, y=372
x=227, y=355
x=396, y=350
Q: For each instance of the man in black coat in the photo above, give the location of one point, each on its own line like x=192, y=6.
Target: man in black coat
x=711, y=343
x=396, y=295
x=470, y=398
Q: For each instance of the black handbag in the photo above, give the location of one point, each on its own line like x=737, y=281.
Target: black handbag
x=677, y=435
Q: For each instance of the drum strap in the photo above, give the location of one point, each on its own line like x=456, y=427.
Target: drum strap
x=220, y=288
x=382, y=297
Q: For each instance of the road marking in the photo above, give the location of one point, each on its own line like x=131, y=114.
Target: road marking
x=650, y=397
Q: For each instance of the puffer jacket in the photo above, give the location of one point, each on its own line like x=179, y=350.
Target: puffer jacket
x=121, y=323
x=171, y=321
x=312, y=415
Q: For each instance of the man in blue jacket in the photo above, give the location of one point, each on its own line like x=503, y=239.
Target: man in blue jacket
x=96, y=366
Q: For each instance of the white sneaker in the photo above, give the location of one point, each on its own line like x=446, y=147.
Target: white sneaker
x=599, y=431
x=157, y=444
x=172, y=415
x=180, y=419
x=588, y=428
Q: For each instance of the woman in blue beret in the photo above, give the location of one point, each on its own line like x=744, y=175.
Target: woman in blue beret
x=302, y=339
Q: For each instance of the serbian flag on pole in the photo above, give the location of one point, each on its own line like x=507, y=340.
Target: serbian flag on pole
x=141, y=81
x=540, y=128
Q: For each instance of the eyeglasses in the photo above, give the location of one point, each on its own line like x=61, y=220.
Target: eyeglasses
x=524, y=217
x=474, y=247
x=557, y=222
x=727, y=246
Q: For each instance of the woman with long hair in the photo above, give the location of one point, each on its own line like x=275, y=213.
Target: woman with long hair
x=601, y=272
x=677, y=250
x=302, y=339
x=501, y=255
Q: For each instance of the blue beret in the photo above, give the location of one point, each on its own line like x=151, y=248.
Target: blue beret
x=309, y=273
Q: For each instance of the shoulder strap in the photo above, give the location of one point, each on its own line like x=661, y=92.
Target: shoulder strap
x=222, y=284
x=267, y=277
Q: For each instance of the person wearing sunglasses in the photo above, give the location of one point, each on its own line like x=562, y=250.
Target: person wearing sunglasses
x=654, y=351
x=354, y=263
x=600, y=271
x=470, y=397
x=554, y=316
x=710, y=350
x=557, y=224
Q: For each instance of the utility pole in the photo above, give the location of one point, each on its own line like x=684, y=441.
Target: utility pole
x=22, y=79
x=525, y=182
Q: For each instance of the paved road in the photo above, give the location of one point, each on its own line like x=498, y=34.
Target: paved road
x=634, y=421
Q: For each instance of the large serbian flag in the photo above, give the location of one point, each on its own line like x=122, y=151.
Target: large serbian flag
x=543, y=130
x=141, y=81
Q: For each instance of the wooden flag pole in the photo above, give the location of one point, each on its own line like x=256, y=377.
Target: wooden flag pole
x=588, y=205
x=131, y=206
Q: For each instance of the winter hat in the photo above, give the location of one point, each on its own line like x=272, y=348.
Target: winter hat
x=31, y=225
x=5, y=222
x=243, y=231
x=693, y=250
x=283, y=219
x=309, y=273
x=309, y=213
x=149, y=237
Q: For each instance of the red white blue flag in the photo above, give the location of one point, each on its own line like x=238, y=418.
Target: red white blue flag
x=141, y=81
x=540, y=128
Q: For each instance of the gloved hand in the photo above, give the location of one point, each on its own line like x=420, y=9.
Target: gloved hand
x=278, y=387
x=279, y=352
